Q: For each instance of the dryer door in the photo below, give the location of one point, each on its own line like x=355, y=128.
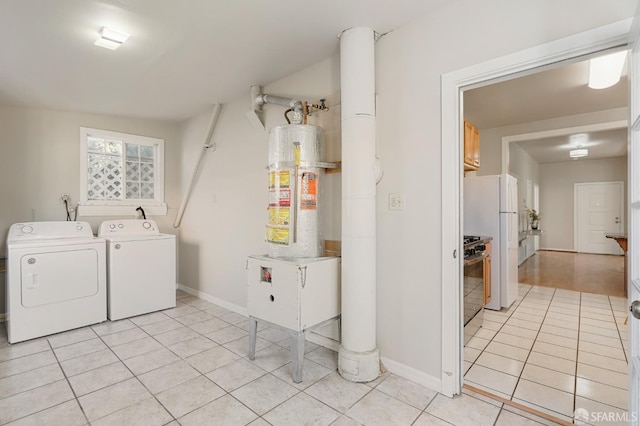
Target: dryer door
x=58, y=276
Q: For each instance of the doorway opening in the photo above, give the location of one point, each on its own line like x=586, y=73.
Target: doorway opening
x=556, y=348
x=582, y=45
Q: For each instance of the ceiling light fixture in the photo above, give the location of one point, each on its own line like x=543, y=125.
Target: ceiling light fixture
x=577, y=153
x=605, y=71
x=111, y=39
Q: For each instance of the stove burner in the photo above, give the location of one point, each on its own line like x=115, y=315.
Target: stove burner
x=473, y=247
x=467, y=239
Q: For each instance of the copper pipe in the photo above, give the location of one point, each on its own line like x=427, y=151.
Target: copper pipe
x=305, y=112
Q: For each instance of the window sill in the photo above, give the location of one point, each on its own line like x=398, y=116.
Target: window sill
x=130, y=210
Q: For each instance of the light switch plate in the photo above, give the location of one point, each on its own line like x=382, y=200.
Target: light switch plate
x=396, y=201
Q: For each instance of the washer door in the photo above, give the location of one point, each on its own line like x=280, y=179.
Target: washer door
x=58, y=276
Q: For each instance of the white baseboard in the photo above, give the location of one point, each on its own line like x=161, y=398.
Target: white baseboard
x=394, y=367
x=410, y=373
x=212, y=299
x=556, y=249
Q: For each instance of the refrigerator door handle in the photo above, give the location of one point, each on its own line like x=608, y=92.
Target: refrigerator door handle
x=509, y=212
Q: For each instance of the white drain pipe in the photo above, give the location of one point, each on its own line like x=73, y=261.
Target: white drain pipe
x=205, y=147
x=358, y=358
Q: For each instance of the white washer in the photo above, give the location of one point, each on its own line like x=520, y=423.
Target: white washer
x=141, y=267
x=56, y=279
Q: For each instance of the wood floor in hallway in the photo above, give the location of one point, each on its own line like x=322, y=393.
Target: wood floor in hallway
x=590, y=273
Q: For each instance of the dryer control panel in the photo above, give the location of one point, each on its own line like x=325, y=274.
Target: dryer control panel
x=29, y=231
x=124, y=227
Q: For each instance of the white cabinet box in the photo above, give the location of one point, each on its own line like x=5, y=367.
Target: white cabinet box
x=294, y=294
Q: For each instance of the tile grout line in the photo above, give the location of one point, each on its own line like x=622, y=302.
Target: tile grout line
x=64, y=373
x=134, y=375
x=575, y=373
x=553, y=297
x=180, y=359
x=615, y=321
x=534, y=343
x=299, y=391
x=122, y=361
x=75, y=397
x=496, y=333
x=515, y=308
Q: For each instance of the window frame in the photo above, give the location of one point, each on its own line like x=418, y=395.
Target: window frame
x=155, y=206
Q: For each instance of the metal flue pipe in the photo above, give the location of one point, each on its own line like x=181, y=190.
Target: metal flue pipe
x=215, y=114
x=358, y=358
x=294, y=104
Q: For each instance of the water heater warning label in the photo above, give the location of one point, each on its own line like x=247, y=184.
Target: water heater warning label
x=279, y=216
x=280, y=197
x=279, y=188
x=309, y=191
x=280, y=179
x=278, y=235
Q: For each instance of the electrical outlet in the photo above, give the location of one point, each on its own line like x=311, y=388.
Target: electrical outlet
x=396, y=201
x=65, y=197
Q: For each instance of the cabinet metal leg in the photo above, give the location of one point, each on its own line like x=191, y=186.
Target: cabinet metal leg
x=297, y=355
x=253, y=330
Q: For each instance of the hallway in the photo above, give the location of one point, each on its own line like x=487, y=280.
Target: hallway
x=590, y=273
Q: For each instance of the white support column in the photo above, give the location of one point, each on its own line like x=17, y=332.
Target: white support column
x=358, y=358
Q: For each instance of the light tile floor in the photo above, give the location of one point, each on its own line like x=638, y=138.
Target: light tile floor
x=554, y=350
x=188, y=366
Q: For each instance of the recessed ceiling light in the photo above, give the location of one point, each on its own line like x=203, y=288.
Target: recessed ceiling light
x=111, y=39
x=605, y=71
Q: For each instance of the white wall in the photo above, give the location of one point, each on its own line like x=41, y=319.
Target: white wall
x=40, y=160
x=556, y=195
x=410, y=62
x=525, y=169
x=225, y=221
x=560, y=236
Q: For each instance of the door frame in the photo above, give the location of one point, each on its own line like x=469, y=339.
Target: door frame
x=575, y=208
x=524, y=62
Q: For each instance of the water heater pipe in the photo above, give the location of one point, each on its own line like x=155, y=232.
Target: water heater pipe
x=215, y=114
x=294, y=104
x=358, y=357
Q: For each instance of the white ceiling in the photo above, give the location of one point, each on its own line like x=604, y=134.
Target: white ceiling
x=557, y=92
x=179, y=60
x=182, y=55
x=602, y=144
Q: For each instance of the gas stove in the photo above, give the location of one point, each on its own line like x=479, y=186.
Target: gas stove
x=474, y=247
x=468, y=239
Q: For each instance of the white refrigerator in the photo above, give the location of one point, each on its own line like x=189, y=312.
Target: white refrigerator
x=491, y=209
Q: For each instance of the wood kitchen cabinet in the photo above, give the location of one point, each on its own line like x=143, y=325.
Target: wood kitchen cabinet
x=487, y=274
x=471, y=147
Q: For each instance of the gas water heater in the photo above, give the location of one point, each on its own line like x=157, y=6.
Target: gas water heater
x=293, y=287
x=295, y=179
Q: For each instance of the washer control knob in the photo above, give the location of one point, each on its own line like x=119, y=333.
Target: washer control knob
x=112, y=226
x=79, y=227
x=146, y=225
x=26, y=229
x=120, y=225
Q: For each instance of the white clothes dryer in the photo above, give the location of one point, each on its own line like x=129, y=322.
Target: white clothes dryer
x=56, y=279
x=141, y=267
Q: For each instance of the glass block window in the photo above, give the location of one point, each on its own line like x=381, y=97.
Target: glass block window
x=121, y=169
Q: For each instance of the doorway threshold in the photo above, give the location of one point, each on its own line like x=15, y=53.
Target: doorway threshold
x=517, y=405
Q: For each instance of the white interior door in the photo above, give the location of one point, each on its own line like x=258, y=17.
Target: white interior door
x=598, y=210
x=634, y=223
